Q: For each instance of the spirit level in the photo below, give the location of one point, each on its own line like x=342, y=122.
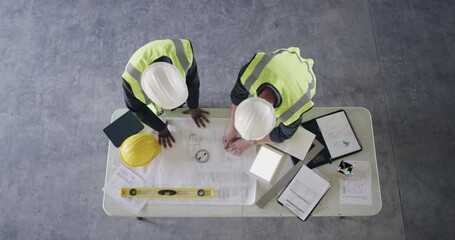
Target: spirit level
x=168, y=192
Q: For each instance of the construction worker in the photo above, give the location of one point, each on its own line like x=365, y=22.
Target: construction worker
x=282, y=84
x=163, y=75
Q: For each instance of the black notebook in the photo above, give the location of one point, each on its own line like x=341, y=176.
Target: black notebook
x=336, y=133
x=122, y=128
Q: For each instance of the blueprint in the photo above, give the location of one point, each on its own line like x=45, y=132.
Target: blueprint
x=198, y=159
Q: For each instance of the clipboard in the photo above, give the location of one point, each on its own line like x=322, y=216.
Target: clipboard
x=125, y=126
x=334, y=130
x=315, y=148
x=305, y=190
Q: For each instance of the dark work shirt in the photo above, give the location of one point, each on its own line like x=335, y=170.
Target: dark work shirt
x=144, y=113
x=281, y=132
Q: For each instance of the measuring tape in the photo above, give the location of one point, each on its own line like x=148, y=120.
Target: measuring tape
x=168, y=192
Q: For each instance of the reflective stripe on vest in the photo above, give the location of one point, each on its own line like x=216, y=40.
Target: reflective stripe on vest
x=181, y=54
x=296, y=92
x=178, y=50
x=137, y=75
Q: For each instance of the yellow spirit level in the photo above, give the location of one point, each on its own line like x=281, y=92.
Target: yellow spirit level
x=168, y=192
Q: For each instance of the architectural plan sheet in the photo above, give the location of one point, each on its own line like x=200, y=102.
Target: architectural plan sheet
x=124, y=177
x=357, y=188
x=197, y=159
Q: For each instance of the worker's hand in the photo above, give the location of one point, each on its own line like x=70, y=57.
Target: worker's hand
x=239, y=145
x=198, y=116
x=165, y=137
x=230, y=134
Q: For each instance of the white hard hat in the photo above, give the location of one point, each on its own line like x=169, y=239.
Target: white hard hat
x=164, y=85
x=254, y=118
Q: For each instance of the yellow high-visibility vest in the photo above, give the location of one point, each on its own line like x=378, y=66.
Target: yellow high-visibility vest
x=290, y=74
x=178, y=50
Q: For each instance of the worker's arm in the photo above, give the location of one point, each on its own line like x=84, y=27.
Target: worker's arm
x=283, y=132
x=238, y=94
x=146, y=116
x=192, y=82
x=140, y=109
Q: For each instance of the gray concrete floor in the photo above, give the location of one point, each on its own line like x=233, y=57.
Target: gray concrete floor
x=61, y=63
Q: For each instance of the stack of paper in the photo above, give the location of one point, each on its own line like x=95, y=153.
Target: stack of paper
x=124, y=177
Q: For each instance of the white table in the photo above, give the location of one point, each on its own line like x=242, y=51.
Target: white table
x=329, y=206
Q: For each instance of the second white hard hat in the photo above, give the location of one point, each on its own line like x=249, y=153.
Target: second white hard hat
x=254, y=118
x=164, y=85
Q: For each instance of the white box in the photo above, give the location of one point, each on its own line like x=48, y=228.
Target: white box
x=266, y=163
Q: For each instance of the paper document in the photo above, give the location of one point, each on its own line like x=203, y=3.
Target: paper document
x=198, y=160
x=299, y=145
x=124, y=177
x=357, y=188
x=272, y=192
x=304, y=192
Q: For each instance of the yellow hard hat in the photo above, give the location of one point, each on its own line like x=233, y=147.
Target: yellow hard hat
x=139, y=149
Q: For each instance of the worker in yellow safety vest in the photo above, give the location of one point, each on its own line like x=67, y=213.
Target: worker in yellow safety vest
x=282, y=85
x=163, y=75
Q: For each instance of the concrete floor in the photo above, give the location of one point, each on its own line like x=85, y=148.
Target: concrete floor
x=61, y=63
